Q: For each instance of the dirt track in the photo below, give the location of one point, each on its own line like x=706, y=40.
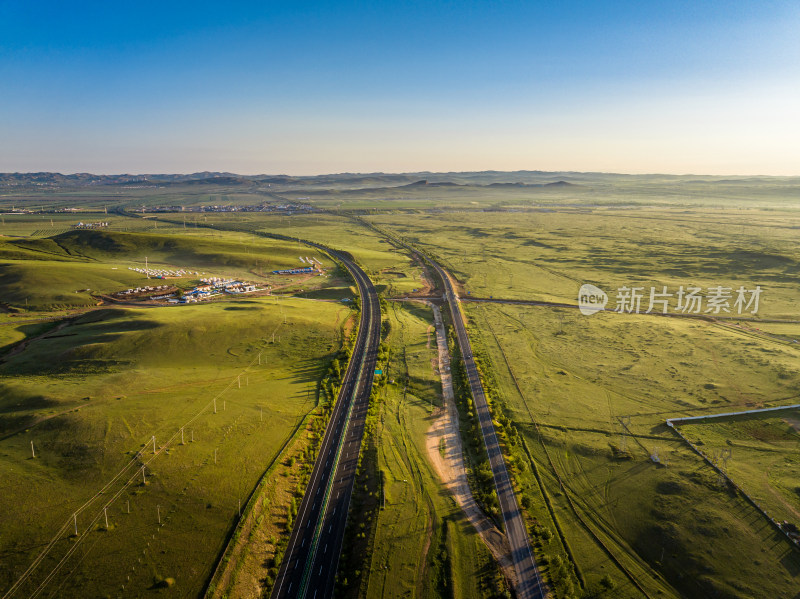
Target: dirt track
x=449, y=464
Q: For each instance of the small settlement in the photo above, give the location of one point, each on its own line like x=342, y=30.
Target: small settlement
x=314, y=265
x=213, y=286
x=83, y=225
x=147, y=293
x=208, y=287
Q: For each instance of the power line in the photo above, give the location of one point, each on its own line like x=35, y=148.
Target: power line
x=74, y=520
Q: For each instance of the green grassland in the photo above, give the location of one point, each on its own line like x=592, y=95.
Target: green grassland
x=567, y=379
x=547, y=254
x=91, y=394
x=106, y=198
x=18, y=225
x=392, y=271
x=14, y=329
x=606, y=519
x=88, y=391
x=68, y=269
x=423, y=546
x=492, y=190
x=765, y=456
x=784, y=332
x=523, y=190
x=415, y=191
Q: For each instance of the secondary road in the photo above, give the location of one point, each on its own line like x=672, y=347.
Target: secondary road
x=308, y=569
x=529, y=584
x=443, y=444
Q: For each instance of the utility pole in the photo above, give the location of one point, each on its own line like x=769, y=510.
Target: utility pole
x=158, y=511
x=261, y=415
x=182, y=443
x=105, y=514
x=75, y=518
x=215, y=405
x=192, y=437
x=154, y=444
x=144, y=477
x=239, y=380
x=129, y=505
x=33, y=453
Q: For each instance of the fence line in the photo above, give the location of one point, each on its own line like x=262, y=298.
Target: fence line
x=671, y=423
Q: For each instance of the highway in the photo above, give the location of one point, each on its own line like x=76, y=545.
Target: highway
x=529, y=585
x=308, y=569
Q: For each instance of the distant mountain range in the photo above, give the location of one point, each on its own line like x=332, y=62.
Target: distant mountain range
x=370, y=180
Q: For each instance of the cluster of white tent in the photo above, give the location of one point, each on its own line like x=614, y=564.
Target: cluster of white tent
x=142, y=290
x=160, y=273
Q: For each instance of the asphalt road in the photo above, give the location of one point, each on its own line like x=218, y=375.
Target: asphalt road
x=529, y=585
x=309, y=566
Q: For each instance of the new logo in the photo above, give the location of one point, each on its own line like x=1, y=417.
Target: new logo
x=591, y=299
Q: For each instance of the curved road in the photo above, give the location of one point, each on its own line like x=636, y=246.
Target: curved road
x=309, y=565
x=529, y=585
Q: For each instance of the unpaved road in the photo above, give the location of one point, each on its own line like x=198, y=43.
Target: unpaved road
x=449, y=464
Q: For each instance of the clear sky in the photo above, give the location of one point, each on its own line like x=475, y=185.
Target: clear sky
x=317, y=87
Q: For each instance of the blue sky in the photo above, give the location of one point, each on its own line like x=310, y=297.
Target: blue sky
x=303, y=87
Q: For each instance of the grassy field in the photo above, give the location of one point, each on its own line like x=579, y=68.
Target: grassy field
x=422, y=191
x=606, y=519
x=764, y=456
x=423, y=544
x=46, y=225
x=14, y=329
x=392, y=271
x=91, y=395
x=670, y=525
x=548, y=254
x=87, y=392
x=69, y=269
x=569, y=380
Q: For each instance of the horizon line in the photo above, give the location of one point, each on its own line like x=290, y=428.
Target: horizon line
x=397, y=173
